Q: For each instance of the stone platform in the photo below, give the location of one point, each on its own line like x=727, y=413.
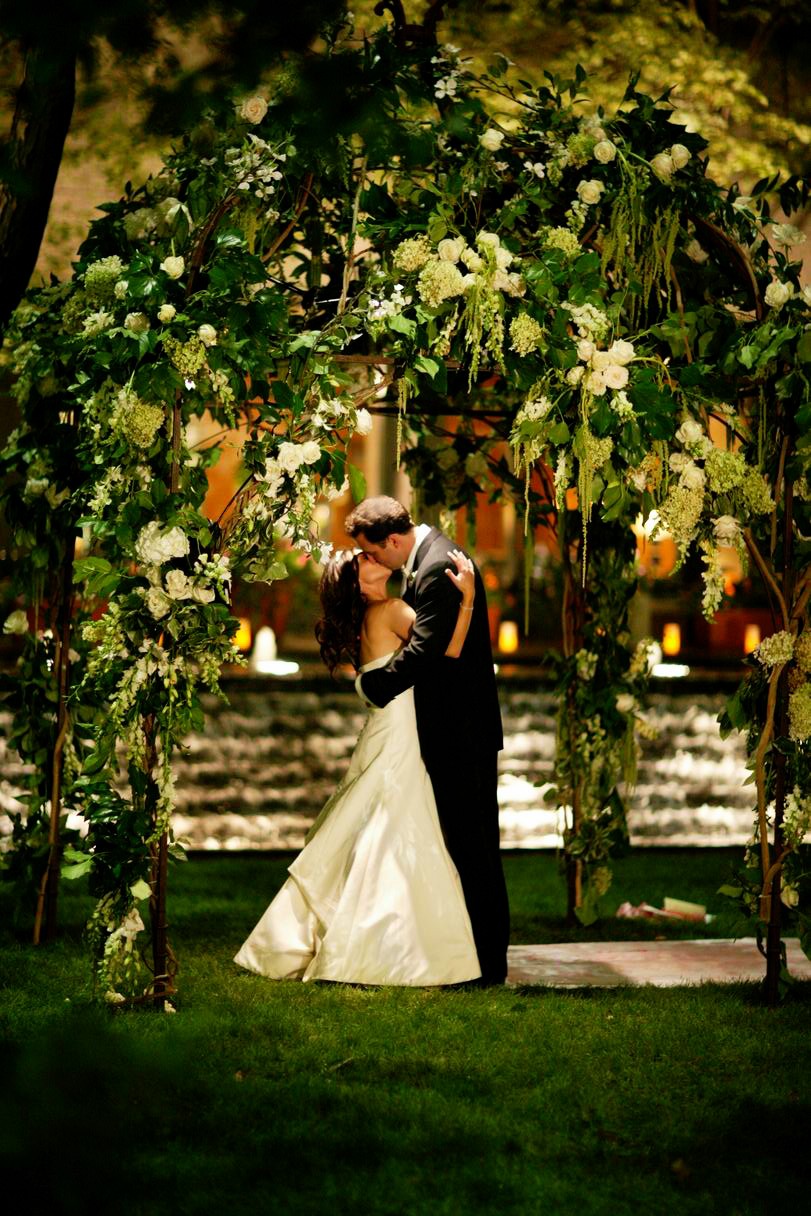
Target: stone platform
x=661, y=964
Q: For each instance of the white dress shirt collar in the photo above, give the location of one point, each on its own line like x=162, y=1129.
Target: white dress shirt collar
x=421, y=531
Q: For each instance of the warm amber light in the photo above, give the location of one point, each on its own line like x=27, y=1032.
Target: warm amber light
x=508, y=637
x=242, y=637
x=751, y=638
x=671, y=638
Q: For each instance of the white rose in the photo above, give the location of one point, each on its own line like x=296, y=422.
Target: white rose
x=781, y=234
x=450, y=250
x=516, y=284
x=626, y=704
x=778, y=293
x=363, y=425
x=488, y=238
x=575, y=374
x=173, y=267
x=471, y=259
x=604, y=151
x=166, y=313
x=290, y=457
x=696, y=252
x=76, y=822
x=679, y=155
x=492, y=139
x=663, y=166
x=595, y=383
x=202, y=595
x=158, y=602
x=178, y=586
x=253, y=109
x=585, y=349
x=806, y=294
x=273, y=474
x=138, y=322
x=692, y=477
x=207, y=335
x=600, y=360
x=121, y=288
x=503, y=258
x=789, y=895
x=679, y=461
x=615, y=376
x=310, y=452
x=621, y=351
x=16, y=622
x=690, y=433
x=726, y=529
x=468, y=281
x=589, y=191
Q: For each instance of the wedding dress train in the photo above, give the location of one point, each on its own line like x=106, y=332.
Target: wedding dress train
x=373, y=898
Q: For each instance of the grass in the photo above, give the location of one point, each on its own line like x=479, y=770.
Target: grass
x=261, y=1097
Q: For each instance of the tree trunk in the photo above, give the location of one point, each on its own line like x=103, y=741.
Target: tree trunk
x=774, y=951
x=33, y=152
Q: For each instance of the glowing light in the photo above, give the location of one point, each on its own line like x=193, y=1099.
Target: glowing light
x=275, y=667
x=670, y=671
x=242, y=637
x=671, y=638
x=508, y=637
x=751, y=638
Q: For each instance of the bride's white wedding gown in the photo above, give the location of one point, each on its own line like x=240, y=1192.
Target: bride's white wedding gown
x=373, y=898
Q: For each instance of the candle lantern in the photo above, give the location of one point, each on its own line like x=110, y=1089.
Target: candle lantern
x=671, y=638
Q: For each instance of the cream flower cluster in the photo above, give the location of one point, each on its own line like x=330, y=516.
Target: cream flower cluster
x=135, y=420
x=603, y=368
x=589, y=321
x=379, y=307
x=256, y=168
x=535, y=409
x=412, y=254
x=799, y=713
x=796, y=818
x=526, y=335
x=101, y=277
x=776, y=648
x=563, y=239
x=448, y=71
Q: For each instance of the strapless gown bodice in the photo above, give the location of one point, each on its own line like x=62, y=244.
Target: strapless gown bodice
x=373, y=898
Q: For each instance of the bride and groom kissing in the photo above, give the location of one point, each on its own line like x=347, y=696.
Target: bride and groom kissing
x=400, y=880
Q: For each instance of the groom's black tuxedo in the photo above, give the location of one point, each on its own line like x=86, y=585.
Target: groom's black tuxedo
x=459, y=726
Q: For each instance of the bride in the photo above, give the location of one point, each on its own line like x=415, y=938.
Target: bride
x=373, y=898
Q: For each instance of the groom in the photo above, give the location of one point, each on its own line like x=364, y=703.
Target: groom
x=458, y=717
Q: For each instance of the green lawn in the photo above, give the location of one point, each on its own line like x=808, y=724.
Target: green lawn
x=259, y=1097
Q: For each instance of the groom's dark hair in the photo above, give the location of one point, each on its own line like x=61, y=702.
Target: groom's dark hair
x=377, y=518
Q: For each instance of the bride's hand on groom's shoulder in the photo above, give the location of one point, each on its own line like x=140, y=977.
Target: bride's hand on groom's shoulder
x=462, y=576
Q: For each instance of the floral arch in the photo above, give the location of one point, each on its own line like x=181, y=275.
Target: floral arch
x=569, y=281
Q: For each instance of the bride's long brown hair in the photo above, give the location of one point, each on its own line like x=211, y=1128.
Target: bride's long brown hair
x=343, y=608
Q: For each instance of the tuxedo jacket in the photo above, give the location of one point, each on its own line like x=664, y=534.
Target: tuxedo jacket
x=456, y=701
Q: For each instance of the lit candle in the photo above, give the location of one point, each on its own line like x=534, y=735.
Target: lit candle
x=242, y=637
x=508, y=637
x=751, y=638
x=671, y=638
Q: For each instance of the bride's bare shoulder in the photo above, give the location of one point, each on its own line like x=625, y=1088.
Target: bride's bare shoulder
x=399, y=617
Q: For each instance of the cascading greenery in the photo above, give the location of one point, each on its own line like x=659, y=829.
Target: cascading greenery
x=572, y=281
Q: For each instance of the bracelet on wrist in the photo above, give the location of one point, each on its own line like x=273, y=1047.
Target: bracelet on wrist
x=465, y=608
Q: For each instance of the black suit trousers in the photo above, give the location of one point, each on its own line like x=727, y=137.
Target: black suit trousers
x=467, y=806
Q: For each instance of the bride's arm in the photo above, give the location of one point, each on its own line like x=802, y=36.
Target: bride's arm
x=463, y=578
